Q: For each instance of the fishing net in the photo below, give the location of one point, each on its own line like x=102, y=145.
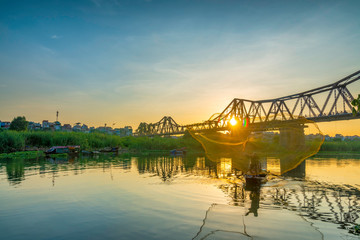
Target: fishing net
x=232, y=222
x=262, y=147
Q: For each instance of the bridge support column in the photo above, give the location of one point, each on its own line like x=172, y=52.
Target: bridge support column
x=298, y=172
x=292, y=137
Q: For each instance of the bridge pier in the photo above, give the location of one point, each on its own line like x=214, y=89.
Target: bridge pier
x=293, y=137
x=298, y=172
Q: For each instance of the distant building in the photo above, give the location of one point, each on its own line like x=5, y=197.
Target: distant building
x=5, y=125
x=128, y=131
x=57, y=126
x=84, y=128
x=77, y=127
x=31, y=126
x=67, y=128
x=123, y=132
x=52, y=126
x=117, y=131
x=352, y=138
x=339, y=137
x=100, y=129
x=45, y=124
x=107, y=130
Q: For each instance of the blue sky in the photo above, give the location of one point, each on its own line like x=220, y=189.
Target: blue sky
x=125, y=62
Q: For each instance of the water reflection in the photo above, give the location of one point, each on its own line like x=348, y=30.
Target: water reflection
x=313, y=199
x=15, y=171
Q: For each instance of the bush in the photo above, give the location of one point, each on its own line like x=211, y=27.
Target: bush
x=11, y=141
x=19, y=124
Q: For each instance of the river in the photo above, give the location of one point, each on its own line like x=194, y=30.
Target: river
x=176, y=197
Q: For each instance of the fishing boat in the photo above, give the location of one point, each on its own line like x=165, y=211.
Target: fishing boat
x=180, y=151
x=63, y=149
x=258, y=178
x=110, y=149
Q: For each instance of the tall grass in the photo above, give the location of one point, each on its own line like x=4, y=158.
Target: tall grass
x=341, y=146
x=11, y=141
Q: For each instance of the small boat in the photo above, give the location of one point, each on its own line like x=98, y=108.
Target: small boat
x=110, y=149
x=257, y=179
x=180, y=151
x=63, y=149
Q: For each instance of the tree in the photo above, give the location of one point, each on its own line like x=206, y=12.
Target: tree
x=356, y=104
x=19, y=124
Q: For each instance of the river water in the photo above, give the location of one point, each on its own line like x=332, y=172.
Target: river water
x=176, y=197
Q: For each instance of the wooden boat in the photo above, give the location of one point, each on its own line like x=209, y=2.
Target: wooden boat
x=180, y=151
x=63, y=149
x=110, y=149
x=258, y=178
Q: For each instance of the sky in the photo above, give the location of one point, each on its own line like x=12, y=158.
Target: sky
x=126, y=62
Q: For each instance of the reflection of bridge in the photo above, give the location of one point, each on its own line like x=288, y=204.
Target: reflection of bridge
x=330, y=203
x=336, y=204
x=328, y=103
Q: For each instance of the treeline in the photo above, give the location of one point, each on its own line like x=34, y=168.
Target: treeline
x=12, y=141
x=341, y=146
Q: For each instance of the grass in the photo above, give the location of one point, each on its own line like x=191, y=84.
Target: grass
x=27, y=154
x=12, y=141
x=341, y=146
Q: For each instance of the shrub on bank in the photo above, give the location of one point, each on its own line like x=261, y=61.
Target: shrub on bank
x=11, y=141
x=341, y=146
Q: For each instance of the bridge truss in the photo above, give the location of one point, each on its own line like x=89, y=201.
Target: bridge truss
x=327, y=103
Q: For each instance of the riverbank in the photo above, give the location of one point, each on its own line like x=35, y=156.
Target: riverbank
x=12, y=141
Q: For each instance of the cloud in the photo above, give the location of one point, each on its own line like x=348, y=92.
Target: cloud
x=47, y=50
x=55, y=37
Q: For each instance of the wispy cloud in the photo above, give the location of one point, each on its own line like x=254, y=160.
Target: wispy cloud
x=55, y=37
x=47, y=50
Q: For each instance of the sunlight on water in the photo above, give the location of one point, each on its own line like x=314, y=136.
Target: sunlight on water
x=165, y=197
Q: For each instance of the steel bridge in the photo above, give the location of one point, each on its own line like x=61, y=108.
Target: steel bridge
x=331, y=102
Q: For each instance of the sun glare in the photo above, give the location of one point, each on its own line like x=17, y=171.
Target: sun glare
x=233, y=121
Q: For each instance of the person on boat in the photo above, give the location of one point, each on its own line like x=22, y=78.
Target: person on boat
x=255, y=166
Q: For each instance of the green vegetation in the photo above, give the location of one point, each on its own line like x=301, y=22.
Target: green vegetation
x=27, y=154
x=15, y=141
x=356, y=104
x=341, y=146
x=12, y=141
x=19, y=124
x=160, y=143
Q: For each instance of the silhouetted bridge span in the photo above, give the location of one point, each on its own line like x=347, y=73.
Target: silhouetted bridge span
x=327, y=103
